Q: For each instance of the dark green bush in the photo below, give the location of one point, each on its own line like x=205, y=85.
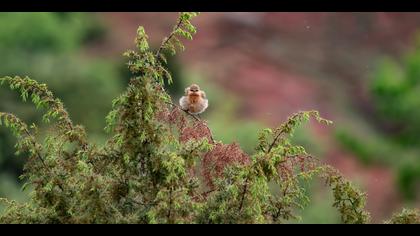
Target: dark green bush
x=43, y=31
x=49, y=46
x=395, y=89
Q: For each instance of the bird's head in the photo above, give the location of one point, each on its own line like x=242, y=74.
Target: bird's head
x=193, y=89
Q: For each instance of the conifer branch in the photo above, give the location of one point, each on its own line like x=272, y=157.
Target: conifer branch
x=166, y=40
x=146, y=174
x=245, y=189
x=21, y=126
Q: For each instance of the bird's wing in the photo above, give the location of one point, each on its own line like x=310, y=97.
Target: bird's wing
x=203, y=94
x=206, y=103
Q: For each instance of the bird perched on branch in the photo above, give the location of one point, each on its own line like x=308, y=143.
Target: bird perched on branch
x=194, y=101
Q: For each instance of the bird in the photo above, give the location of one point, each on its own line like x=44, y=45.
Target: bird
x=194, y=101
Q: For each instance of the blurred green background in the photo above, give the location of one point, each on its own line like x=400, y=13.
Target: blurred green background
x=361, y=70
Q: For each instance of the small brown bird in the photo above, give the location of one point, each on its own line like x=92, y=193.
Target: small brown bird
x=194, y=101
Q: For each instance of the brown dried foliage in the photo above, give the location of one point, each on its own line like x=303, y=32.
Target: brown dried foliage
x=221, y=156
x=296, y=164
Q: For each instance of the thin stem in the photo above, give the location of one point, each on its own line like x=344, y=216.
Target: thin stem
x=244, y=193
x=195, y=118
x=285, y=189
x=170, y=206
x=34, y=144
x=274, y=142
x=166, y=40
x=28, y=134
x=39, y=155
x=142, y=203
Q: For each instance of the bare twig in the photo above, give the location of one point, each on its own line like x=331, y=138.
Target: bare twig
x=28, y=134
x=40, y=157
x=34, y=144
x=166, y=40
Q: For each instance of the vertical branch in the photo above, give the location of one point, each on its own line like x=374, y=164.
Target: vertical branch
x=36, y=151
x=170, y=206
x=245, y=189
x=166, y=40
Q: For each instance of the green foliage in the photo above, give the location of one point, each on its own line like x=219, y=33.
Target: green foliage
x=36, y=45
x=320, y=211
x=355, y=145
x=147, y=171
x=395, y=87
x=408, y=179
x=42, y=31
x=382, y=151
x=395, y=90
x=42, y=98
x=405, y=217
x=47, y=52
x=347, y=199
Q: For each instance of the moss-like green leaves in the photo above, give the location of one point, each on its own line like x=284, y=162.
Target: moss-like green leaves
x=161, y=165
x=406, y=216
